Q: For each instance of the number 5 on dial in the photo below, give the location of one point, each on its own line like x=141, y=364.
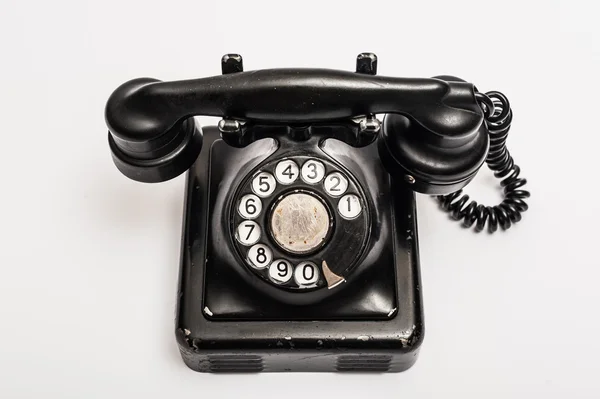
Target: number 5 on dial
x=263, y=184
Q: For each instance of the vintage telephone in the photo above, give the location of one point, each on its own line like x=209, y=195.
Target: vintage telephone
x=299, y=247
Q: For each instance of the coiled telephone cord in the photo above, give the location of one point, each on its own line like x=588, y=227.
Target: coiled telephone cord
x=498, y=118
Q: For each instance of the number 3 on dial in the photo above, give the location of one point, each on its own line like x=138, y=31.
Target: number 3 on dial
x=313, y=171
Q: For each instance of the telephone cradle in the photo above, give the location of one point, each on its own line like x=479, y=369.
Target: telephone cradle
x=299, y=246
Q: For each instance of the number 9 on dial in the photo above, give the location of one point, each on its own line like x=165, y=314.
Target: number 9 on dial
x=280, y=271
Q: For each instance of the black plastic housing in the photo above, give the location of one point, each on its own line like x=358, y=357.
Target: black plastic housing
x=249, y=340
x=429, y=164
x=151, y=138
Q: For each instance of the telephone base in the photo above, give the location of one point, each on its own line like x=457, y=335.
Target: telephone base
x=374, y=324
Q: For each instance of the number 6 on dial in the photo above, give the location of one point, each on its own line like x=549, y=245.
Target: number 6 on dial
x=250, y=206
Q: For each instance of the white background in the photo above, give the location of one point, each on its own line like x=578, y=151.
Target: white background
x=89, y=259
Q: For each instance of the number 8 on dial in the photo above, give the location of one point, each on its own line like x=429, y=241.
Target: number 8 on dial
x=260, y=256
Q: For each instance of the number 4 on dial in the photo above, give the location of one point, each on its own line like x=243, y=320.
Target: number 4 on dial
x=287, y=172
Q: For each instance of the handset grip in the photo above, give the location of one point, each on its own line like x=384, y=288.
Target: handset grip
x=153, y=136
x=144, y=109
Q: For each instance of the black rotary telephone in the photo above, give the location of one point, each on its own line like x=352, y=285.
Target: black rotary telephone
x=299, y=247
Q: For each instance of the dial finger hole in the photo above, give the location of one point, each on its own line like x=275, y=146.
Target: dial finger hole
x=263, y=184
x=250, y=206
x=248, y=232
x=335, y=184
x=280, y=271
x=313, y=171
x=306, y=274
x=349, y=206
x=260, y=256
x=286, y=172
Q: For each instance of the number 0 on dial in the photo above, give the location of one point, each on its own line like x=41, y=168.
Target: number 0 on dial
x=306, y=274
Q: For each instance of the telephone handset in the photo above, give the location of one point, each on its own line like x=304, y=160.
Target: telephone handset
x=300, y=224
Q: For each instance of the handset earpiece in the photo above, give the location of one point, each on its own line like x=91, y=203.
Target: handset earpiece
x=141, y=152
x=441, y=161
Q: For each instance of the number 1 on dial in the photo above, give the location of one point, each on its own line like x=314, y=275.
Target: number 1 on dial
x=349, y=206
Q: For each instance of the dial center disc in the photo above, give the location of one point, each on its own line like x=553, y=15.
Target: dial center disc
x=300, y=223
